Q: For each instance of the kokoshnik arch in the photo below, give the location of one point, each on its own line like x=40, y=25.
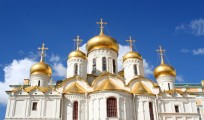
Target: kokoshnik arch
x=94, y=89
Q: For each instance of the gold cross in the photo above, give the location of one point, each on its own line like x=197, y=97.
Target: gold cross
x=161, y=52
x=43, y=49
x=131, y=42
x=101, y=24
x=78, y=41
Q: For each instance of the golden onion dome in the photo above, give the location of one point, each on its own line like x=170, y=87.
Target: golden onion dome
x=102, y=41
x=41, y=68
x=132, y=54
x=77, y=53
x=164, y=70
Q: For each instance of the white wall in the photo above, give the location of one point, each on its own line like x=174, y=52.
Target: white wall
x=98, y=55
x=163, y=82
x=44, y=80
x=128, y=66
x=97, y=105
x=48, y=107
x=82, y=67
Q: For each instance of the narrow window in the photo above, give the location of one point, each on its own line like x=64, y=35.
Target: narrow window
x=39, y=83
x=169, y=85
x=111, y=107
x=135, y=69
x=104, y=63
x=75, y=111
x=75, y=69
x=94, y=66
x=151, y=111
x=176, y=108
x=34, y=107
x=198, y=110
x=114, y=67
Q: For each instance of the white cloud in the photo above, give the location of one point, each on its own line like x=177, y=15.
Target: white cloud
x=180, y=27
x=179, y=78
x=59, y=70
x=148, y=69
x=54, y=58
x=122, y=50
x=18, y=70
x=199, y=51
x=14, y=73
x=83, y=48
x=195, y=27
x=184, y=50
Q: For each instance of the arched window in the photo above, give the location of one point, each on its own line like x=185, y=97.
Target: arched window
x=75, y=69
x=111, y=107
x=169, y=86
x=114, y=67
x=75, y=111
x=39, y=83
x=94, y=66
x=151, y=112
x=135, y=69
x=104, y=64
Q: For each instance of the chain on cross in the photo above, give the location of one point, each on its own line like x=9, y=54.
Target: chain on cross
x=161, y=53
x=101, y=24
x=78, y=41
x=131, y=43
x=43, y=49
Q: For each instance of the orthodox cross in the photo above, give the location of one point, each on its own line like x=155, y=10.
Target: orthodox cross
x=43, y=49
x=131, y=42
x=161, y=53
x=101, y=24
x=78, y=41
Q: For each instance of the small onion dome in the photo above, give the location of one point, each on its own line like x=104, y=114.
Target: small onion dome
x=77, y=53
x=132, y=54
x=102, y=41
x=41, y=68
x=164, y=70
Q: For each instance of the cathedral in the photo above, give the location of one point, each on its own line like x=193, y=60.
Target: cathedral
x=94, y=89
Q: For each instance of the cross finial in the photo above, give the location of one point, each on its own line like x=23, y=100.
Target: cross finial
x=161, y=51
x=43, y=49
x=131, y=42
x=101, y=25
x=78, y=41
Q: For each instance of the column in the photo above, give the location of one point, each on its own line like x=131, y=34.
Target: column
x=118, y=107
x=79, y=109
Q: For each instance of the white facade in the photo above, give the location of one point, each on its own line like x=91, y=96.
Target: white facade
x=96, y=91
x=98, y=55
x=81, y=65
x=166, y=82
x=40, y=80
x=130, y=72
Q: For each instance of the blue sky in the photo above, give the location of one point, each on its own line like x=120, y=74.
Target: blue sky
x=176, y=25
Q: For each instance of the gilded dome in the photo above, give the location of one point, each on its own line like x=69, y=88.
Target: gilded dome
x=132, y=54
x=164, y=70
x=41, y=68
x=77, y=53
x=102, y=41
